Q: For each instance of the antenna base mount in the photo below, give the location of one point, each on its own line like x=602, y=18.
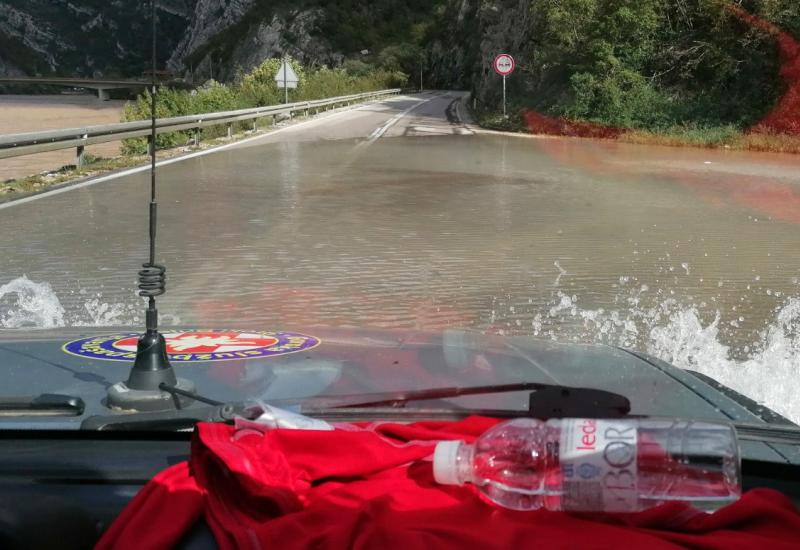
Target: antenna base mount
x=150, y=369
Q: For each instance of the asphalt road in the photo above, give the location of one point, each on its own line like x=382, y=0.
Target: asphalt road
x=427, y=114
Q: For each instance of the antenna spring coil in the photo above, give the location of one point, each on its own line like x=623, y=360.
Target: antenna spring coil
x=152, y=280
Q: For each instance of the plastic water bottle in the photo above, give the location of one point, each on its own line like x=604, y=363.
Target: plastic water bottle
x=615, y=465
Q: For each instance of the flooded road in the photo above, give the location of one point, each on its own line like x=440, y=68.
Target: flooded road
x=31, y=113
x=688, y=254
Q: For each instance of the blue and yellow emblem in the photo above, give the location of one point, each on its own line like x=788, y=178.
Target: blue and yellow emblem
x=197, y=345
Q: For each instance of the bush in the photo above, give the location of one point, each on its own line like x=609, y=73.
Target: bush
x=651, y=64
x=621, y=98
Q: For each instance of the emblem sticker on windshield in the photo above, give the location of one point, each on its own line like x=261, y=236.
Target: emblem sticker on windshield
x=197, y=345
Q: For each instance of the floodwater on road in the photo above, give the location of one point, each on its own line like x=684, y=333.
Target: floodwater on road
x=688, y=254
x=31, y=113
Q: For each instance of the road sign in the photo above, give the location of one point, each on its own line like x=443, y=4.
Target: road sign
x=504, y=64
x=286, y=77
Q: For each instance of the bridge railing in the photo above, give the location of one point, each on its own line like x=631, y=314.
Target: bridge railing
x=15, y=145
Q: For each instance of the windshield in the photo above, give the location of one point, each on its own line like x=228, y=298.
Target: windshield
x=399, y=195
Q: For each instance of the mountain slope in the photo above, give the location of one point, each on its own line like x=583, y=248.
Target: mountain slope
x=228, y=34
x=100, y=38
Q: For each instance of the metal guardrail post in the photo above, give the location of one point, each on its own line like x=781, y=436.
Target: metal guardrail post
x=196, y=136
x=230, y=130
x=79, y=156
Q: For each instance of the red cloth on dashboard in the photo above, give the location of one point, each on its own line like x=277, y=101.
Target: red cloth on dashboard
x=375, y=488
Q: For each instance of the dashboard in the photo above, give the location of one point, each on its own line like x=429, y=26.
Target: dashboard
x=67, y=487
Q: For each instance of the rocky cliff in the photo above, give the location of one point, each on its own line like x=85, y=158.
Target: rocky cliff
x=86, y=37
x=454, y=40
x=469, y=35
x=208, y=19
x=225, y=35
x=205, y=39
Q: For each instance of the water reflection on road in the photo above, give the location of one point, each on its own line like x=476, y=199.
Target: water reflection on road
x=689, y=254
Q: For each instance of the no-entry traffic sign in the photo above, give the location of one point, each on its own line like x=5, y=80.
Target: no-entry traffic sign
x=504, y=64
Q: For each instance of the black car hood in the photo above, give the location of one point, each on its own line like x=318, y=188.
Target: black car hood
x=353, y=362
x=360, y=361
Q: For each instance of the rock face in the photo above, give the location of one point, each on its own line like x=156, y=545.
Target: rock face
x=86, y=38
x=247, y=45
x=208, y=18
x=214, y=38
x=22, y=27
x=470, y=35
x=267, y=40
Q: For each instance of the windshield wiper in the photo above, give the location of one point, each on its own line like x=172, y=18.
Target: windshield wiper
x=186, y=418
x=545, y=401
x=46, y=404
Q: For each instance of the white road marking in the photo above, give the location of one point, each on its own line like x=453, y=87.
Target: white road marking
x=165, y=162
x=378, y=132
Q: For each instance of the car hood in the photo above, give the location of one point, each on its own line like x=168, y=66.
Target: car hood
x=354, y=362
x=347, y=362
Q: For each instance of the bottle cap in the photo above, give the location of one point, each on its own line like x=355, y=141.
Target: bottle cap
x=445, y=465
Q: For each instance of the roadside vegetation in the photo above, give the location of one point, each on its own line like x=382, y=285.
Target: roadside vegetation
x=92, y=166
x=708, y=73
x=254, y=89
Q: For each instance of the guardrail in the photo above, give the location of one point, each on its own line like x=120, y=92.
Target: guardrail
x=15, y=145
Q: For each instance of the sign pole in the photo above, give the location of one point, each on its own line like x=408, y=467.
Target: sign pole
x=504, y=65
x=285, y=82
x=504, y=96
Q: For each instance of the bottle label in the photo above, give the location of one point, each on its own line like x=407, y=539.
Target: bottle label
x=598, y=465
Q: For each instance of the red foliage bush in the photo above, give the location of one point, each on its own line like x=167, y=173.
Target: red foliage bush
x=538, y=123
x=785, y=116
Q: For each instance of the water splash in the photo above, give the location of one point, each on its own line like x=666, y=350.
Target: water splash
x=684, y=334
x=561, y=273
x=688, y=336
x=771, y=373
x=28, y=304
x=24, y=303
x=98, y=313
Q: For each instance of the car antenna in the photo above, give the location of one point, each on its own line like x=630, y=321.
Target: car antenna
x=151, y=369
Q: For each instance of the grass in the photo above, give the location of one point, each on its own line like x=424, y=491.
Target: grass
x=92, y=166
x=714, y=137
x=496, y=121
x=775, y=143
x=727, y=137
x=685, y=136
